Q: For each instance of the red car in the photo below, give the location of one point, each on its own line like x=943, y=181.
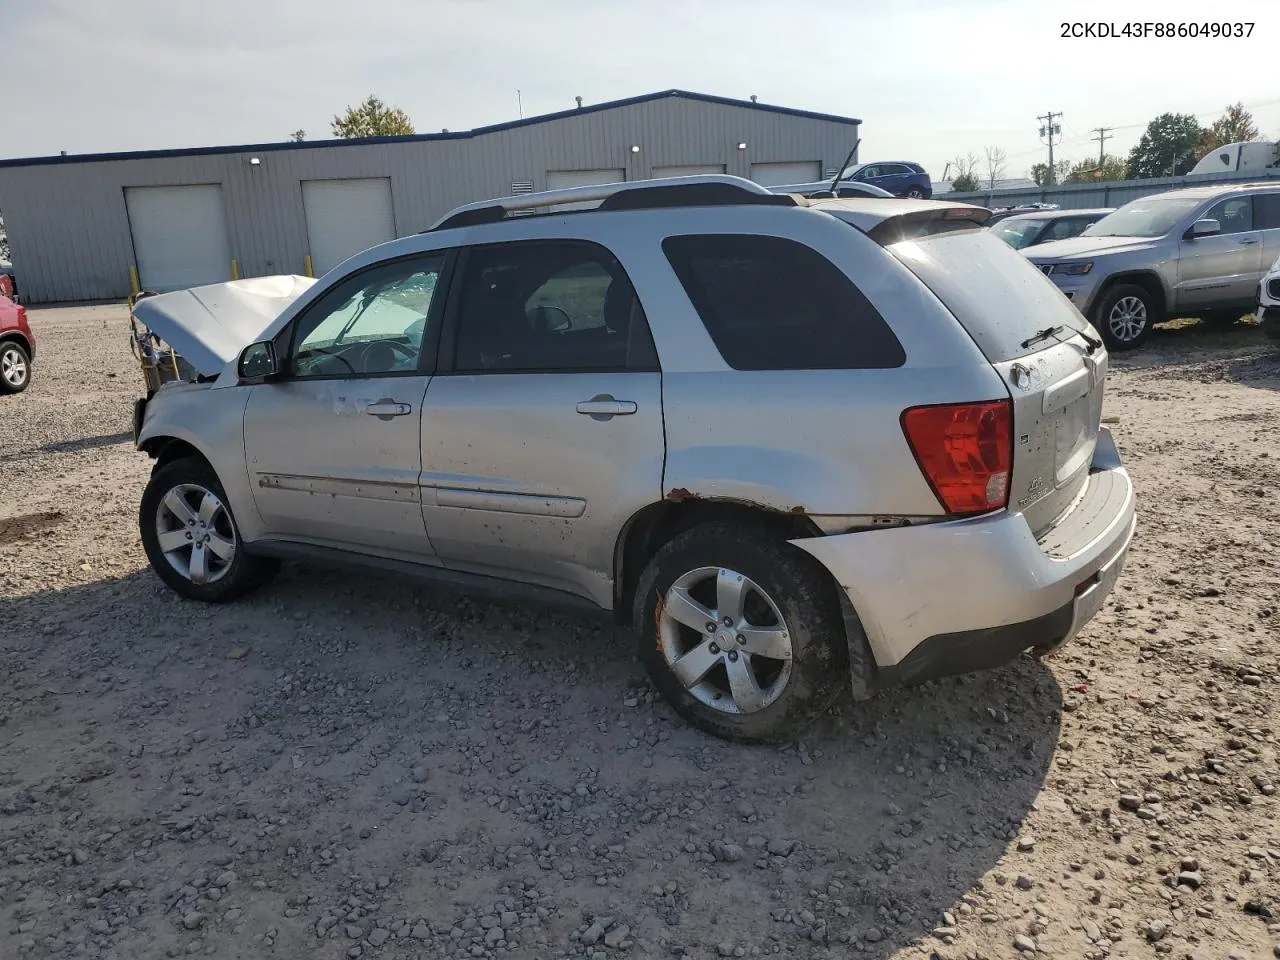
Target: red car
x=17, y=347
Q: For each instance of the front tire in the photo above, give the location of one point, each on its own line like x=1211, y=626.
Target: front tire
x=741, y=633
x=191, y=538
x=15, y=367
x=1125, y=317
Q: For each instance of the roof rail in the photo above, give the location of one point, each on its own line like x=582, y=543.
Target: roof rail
x=695, y=191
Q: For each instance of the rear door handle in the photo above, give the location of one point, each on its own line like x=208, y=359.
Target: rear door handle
x=603, y=406
x=1246, y=242
x=386, y=409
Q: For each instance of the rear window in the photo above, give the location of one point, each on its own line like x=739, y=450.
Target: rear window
x=775, y=304
x=993, y=290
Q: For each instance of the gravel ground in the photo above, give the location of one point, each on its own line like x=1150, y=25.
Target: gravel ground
x=352, y=766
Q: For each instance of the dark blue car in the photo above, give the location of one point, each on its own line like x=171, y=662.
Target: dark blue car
x=900, y=177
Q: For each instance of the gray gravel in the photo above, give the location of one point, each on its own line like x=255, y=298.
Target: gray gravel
x=346, y=765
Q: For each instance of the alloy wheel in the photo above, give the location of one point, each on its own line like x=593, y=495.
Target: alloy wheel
x=1127, y=319
x=195, y=533
x=725, y=640
x=13, y=367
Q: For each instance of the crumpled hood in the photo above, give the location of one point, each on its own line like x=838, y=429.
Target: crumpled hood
x=1077, y=247
x=210, y=325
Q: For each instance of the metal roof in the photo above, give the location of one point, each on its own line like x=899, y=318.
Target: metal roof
x=421, y=137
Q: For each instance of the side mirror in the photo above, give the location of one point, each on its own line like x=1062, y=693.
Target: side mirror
x=258, y=362
x=1204, y=228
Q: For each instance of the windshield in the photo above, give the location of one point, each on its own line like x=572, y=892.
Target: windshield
x=1143, y=218
x=1017, y=232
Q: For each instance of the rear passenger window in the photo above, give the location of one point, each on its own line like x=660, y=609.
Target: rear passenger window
x=1267, y=211
x=549, y=306
x=775, y=304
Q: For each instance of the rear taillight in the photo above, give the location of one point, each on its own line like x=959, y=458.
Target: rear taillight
x=965, y=451
x=22, y=314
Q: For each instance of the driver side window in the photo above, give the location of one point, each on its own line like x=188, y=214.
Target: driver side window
x=1234, y=215
x=374, y=323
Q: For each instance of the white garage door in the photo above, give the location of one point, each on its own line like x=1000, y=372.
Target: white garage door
x=776, y=174
x=559, y=179
x=688, y=170
x=345, y=217
x=179, y=236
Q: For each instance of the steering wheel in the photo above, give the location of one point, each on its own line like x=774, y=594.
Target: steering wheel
x=404, y=350
x=540, y=313
x=335, y=356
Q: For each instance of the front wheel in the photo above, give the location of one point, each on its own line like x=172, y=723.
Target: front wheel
x=1125, y=316
x=741, y=633
x=190, y=536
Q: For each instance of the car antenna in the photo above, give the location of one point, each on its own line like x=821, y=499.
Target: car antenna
x=840, y=171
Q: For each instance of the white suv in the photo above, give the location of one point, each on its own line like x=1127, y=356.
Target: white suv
x=1269, y=302
x=798, y=446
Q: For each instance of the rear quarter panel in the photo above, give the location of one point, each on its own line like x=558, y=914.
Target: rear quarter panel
x=822, y=442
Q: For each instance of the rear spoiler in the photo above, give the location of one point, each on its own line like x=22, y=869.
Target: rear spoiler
x=917, y=224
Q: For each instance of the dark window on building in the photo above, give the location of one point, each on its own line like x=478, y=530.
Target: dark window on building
x=775, y=304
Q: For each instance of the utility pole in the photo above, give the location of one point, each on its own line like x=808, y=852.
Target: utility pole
x=1103, y=135
x=1049, y=130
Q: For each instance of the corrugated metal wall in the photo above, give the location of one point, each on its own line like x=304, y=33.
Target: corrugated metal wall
x=69, y=231
x=1080, y=196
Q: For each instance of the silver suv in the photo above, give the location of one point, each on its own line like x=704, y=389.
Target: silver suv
x=798, y=446
x=1199, y=252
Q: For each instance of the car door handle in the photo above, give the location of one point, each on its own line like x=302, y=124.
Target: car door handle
x=1247, y=241
x=386, y=409
x=604, y=406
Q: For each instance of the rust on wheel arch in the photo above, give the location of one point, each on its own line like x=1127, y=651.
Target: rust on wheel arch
x=683, y=495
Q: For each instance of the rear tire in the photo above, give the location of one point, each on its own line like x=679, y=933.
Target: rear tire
x=191, y=538
x=915, y=193
x=1125, y=316
x=15, y=367
x=779, y=662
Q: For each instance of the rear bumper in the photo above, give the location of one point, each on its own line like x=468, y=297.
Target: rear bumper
x=965, y=595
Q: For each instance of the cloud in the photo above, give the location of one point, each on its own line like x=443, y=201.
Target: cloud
x=930, y=79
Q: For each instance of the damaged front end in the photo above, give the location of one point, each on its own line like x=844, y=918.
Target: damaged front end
x=160, y=363
x=189, y=336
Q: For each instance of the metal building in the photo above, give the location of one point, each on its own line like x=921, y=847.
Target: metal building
x=96, y=226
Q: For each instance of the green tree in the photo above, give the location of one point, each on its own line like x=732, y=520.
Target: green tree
x=1169, y=147
x=965, y=183
x=1088, y=171
x=1234, y=126
x=1040, y=172
x=372, y=118
x=298, y=135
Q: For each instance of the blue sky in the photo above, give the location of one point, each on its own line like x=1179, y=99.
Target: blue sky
x=929, y=79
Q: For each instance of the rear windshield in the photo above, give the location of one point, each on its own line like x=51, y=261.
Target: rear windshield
x=993, y=290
